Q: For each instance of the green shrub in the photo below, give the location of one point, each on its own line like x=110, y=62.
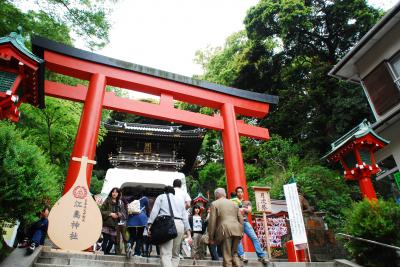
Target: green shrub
x=374, y=220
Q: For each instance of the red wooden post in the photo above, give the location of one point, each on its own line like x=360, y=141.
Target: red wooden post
x=366, y=187
x=234, y=167
x=86, y=137
x=233, y=159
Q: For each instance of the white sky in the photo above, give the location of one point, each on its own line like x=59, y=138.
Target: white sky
x=165, y=34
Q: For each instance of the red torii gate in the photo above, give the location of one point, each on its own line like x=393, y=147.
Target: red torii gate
x=101, y=71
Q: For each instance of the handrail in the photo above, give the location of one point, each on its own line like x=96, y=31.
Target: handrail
x=370, y=241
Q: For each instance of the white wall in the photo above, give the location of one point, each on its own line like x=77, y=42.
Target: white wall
x=392, y=134
x=121, y=178
x=384, y=49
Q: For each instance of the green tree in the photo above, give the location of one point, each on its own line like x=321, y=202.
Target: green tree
x=377, y=221
x=32, y=22
x=290, y=47
x=211, y=176
x=275, y=161
x=56, y=19
x=53, y=128
x=27, y=180
x=97, y=181
x=326, y=191
x=222, y=65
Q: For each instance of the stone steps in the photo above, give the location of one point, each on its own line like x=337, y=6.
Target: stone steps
x=62, y=258
x=59, y=258
x=46, y=257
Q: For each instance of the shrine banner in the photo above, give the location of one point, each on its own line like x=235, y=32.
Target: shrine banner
x=295, y=214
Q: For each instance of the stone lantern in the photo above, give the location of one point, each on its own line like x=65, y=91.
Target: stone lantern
x=201, y=201
x=355, y=152
x=21, y=76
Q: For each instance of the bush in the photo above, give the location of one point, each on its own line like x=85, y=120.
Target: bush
x=325, y=190
x=27, y=180
x=374, y=220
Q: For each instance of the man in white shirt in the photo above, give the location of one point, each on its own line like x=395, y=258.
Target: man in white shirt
x=170, y=250
x=181, y=195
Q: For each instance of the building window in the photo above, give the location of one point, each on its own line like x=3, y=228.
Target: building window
x=395, y=66
x=388, y=165
x=381, y=88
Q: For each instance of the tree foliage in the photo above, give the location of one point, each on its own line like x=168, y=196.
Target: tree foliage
x=223, y=65
x=377, y=221
x=53, y=128
x=288, y=50
x=32, y=22
x=274, y=162
x=88, y=20
x=28, y=180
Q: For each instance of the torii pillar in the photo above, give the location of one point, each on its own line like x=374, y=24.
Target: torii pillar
x=234, y=167
x=233, y=159
x=87, y=135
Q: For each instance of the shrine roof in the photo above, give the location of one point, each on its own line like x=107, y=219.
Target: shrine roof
x=18, y=42
x=156, y=130
x=39, y=44
x=363, y=129
x=278, y=205
x=200, y=197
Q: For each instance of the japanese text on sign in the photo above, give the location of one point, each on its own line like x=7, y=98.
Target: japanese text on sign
x=78, y=217
x=295, y=214
x=263, y=200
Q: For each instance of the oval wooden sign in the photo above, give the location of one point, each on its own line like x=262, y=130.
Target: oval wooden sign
x=75, y=220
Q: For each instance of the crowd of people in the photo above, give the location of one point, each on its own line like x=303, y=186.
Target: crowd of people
x=127, y=226
x=219, y=228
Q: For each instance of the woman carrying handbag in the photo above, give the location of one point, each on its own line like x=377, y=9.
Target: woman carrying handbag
x=164, y=210
x=112, y=212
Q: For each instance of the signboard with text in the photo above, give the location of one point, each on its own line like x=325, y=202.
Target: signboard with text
x=263, y=199
x=295, y=214
x=75, y=221
x=9, y=231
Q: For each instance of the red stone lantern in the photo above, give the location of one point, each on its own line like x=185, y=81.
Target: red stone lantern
x=355, y=151
x=21, y=77
x=201, y=201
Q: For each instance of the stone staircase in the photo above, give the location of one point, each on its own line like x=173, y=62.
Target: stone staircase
x=46, y=257
x=59, y=258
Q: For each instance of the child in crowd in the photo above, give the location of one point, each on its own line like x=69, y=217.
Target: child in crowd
x=196, y=224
